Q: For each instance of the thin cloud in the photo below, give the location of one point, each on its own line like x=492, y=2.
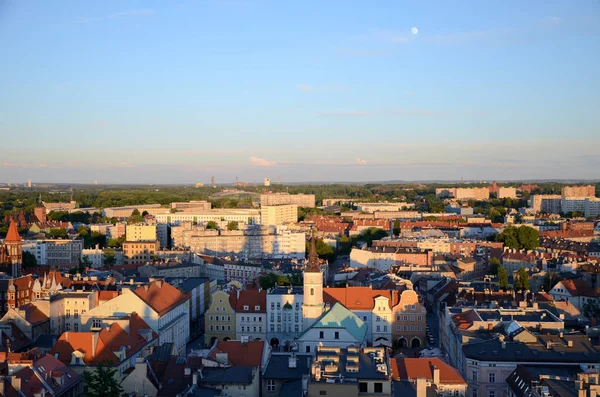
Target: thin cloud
x=132, y=13
x=260, y=162
x=382, y=112
x=360, y=161
x=313, y=88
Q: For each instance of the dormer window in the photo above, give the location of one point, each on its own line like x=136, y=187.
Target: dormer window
x=246, y=307
x=257, y=307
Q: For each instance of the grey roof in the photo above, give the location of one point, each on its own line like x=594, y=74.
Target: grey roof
x=45, y=341
x=525, y=376
x=162, y=352
x=366, y=368
x=201, y=391
x=583, y=351
x=286, y=291
x=278, y=368
x=562, y=388
x=291, y=389
x=188, y=284
x=236, y=375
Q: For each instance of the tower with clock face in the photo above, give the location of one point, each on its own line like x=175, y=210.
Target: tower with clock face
x=312, y=307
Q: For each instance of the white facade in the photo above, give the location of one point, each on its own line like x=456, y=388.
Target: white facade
x=94, y=255
x=172, y=326
x=328, y=337
x=284, y=315
x=245, y=216
x=313, y=306
x=381, y=322
x=250, y=326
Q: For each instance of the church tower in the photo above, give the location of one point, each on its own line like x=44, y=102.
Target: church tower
x=312, y=307
x=40, y=211
x=12, y=248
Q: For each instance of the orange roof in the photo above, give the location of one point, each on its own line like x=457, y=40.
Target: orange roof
x=251, y=298
x=248, y=354
x=161, y=296
x=358, y=298
x=101, y=346
x=465, y=320
x=12, y=236
x=413, y=368
x=578, y=287
x=32, y=314
x=104, y=296
x=23, y=283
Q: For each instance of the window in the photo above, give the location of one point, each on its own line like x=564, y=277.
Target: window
x=308, y=349
x=210, y=327
x=270, y=385
x=246, y=307
x=96, y=323
x=242, y=328
x=412, y=318
x=397, y=318
x=336, y=335
x=405, y=328
x=474, y=376
x=492, y=377
x=420, y=328
x=321, y=335
x=362, y=387
x=68, y=326
x=228, y=328
x=378, y=387
x=76, y=327
x=412, y=327
x=378, y=319
x=405, y=318
x=398, y=328
x=419, y=318
x=491, y=393
x=474, y=394
x=312, y=291
x=68, y=313
x=322, y=392
x=413, y=307
x=385, y=328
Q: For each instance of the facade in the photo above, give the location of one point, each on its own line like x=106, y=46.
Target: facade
x=251, y=315
x=300, y=200
x=66, y=309
x=445, y=379
x=193, y=205
x=220, y=318
x=139, y=251
x=579, y=191
x=125, y=212
x=383, y=258
x=275, y=215
x=284, y=315
x=251, y=243
x=578, y=292
x=56, y=252
x=283, y=371
x=140, y=232
x=164, y=308
x=94, y=255
x=548, y=203
x=245, y=273
x=507, y=192
x=464, y=193
x=409, y=320
x=240, y=215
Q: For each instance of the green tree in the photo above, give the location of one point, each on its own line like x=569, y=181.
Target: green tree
x=268, y=281
x=57, y=233
x=173, y=210
x=102, y=382
x=85, y=262
x=522, y=280
x=372, y=234
x=109, y=257
x=233, y=225
x=591, y=309
x=550, y=281
x=522, y=237
x=494, y=266
x=116, y=242
x=29, y=260
x=83, y=231
x=396, y=228
x=503, y=278
x=324, y=250
x=212, y=225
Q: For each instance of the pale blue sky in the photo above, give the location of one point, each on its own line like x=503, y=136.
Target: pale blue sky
x=178, y=91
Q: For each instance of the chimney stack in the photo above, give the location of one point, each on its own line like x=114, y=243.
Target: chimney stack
x=421, y=387
x=436, y=375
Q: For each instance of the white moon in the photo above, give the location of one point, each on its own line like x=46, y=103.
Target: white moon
x=414, y=30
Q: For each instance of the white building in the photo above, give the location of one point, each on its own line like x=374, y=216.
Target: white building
x=240, y=215
x=251, y=315
x=284, y=315
x=162, y=306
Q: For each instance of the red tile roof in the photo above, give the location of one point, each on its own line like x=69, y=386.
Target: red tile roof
x=101, y=346
x=358, y=298
x=579, y=287
x=247, y=354
x=12, y=236
x=161, y=296
x=32, y=314
x=413, y=368
x=251, y=298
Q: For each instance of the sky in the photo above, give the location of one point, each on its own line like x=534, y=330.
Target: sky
x=308, y=91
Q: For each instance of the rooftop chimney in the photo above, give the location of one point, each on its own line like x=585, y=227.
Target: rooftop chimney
x=436, y=375
x=421, y=387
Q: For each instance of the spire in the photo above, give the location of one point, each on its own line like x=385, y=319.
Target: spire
x=313, y=258
x=13, y=233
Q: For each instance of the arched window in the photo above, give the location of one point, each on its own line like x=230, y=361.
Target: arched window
x=312, y=291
